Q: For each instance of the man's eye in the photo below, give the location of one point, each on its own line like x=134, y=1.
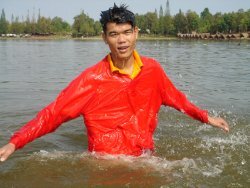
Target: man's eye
x=113, y=34
x=128, y=32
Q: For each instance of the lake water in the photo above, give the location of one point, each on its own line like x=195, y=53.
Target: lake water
x=214, y=75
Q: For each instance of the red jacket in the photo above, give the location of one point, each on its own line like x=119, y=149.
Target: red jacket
x=120, y=114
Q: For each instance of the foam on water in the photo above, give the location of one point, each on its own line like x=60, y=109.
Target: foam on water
x=177, y=168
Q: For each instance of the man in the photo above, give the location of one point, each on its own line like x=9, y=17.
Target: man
x=119, y=97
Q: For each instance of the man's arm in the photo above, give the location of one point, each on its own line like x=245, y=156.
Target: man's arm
x=68, y=105
x=171, y=96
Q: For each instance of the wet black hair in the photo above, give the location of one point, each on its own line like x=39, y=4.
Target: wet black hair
x=117, y=15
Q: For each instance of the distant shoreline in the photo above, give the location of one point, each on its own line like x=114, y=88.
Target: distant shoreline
x=140, y=38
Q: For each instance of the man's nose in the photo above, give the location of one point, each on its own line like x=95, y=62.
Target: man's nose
x=121, y=38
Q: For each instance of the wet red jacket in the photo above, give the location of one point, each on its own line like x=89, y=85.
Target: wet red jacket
x=120, y=113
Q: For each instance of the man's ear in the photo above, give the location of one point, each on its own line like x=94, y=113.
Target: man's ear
x=104, y=37
x=136, y=31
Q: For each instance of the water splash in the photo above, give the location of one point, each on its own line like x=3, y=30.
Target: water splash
x=233, y=141
x=177, y=168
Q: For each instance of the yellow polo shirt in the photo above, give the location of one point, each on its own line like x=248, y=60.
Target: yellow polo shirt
x=137, y=65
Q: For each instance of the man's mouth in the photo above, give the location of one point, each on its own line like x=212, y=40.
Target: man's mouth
x=122, y=49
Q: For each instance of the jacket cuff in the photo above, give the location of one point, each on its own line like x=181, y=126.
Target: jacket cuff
x=16, y=142
x=204, y=116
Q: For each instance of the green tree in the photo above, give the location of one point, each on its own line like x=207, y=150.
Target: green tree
x=161, y=14
x=219, y=24
x=169, y=28
x=206, y=21
x=97, y=28
x=141, y=23
x=83, y=25
x=27, y=25
x=192, y=21
x=59, y=26
x=161, y=24
x=231, y=22
x=3, y=23
x=180, y=23
x=242, y=21
x=151, y=22
x=248, y=18
x=43, y=25
x=16, y=27
x=228, y=22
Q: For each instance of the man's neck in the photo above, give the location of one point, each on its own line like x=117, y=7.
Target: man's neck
x=126, y=65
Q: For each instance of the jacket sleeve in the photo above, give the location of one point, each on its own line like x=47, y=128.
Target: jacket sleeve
x=68, y=105
x=172, y=97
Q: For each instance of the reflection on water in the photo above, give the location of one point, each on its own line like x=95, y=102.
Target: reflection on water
x=214, y=75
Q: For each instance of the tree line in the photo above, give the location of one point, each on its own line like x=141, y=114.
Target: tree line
x=41, y=25
x=156, y=23
x=165, y=24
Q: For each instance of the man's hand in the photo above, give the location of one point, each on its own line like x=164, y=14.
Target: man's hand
x=219, y=123
x=6, y=151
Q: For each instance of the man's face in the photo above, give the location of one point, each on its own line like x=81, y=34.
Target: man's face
x=121, y=39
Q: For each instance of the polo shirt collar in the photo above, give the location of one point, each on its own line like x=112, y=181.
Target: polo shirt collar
x=137, y=64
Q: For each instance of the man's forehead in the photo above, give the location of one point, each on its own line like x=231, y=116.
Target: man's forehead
x=112, y=26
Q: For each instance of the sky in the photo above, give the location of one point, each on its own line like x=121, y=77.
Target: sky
x=68, y=9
